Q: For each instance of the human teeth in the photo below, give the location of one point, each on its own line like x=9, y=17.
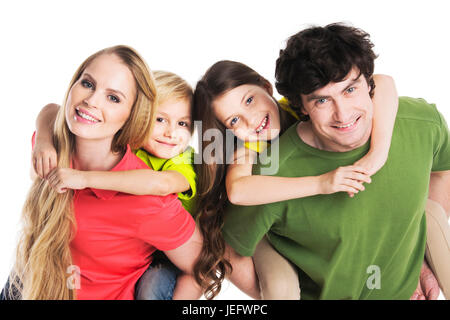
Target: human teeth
x=348, y=125
x=86, y=116
x=263, y=124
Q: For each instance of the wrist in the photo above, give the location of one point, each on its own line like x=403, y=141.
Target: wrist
x=319, y=184
x=85, y=179
x=42, y=136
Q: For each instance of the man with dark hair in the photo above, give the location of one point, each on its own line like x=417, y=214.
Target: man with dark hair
x=371, y=246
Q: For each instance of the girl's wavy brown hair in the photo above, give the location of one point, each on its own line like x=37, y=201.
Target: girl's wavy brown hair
x=212, y=266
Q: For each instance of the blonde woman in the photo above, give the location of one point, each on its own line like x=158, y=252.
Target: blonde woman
x=91, y=243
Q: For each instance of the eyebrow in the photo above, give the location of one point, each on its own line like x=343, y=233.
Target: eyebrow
x=109, y=89
x=316, y=97
x=166, y=115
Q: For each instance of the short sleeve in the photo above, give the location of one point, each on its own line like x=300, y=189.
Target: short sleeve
x=183, y=164
x=441, y=157
x=168, y=227
x=245, y=226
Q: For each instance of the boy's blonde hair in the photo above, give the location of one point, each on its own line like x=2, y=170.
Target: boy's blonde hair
x=171, y=86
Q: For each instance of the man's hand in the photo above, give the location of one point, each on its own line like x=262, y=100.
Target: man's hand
x=428, y=287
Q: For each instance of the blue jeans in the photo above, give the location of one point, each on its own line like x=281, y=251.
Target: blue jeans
x=158, y=281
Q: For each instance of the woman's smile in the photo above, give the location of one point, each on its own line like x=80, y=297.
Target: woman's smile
x=83, y=116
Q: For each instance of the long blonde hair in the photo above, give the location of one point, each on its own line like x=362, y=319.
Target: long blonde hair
x=43, y=254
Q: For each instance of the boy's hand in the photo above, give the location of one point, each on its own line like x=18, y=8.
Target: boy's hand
x=348, y=179
x=44, y=158
x=62, y=179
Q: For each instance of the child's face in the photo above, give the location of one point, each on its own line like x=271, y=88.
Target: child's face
x=250, y=112
x=171, y=131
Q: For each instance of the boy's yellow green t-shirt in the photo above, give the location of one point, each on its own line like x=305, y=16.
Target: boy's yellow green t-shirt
x=183, y=163
x=260, y=146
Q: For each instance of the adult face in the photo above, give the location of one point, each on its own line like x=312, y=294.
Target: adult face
x=250, y=112
x=340, y=113
x=100, y=101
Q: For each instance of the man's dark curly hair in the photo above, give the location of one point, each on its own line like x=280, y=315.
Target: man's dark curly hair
x=317, y=56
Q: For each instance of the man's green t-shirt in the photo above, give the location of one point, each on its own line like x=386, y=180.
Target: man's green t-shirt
x=183, y=163
x=367, y=247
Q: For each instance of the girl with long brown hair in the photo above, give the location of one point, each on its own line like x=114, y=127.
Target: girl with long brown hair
x=91, y=243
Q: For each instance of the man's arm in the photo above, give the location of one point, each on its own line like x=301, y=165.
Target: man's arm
x=440, y=189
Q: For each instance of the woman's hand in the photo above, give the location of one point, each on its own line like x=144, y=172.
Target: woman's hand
x=348, y=179
x=61, y=179
x=44, y=158
x=372, y=162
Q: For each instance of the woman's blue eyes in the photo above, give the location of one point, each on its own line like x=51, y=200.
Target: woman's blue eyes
x=113, y=98
x=350, y=90
x=249, y=100
x=89, y=85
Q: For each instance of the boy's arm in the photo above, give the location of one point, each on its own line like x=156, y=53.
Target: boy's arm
x=137, y=182
x=44, y=157
x=385, y=106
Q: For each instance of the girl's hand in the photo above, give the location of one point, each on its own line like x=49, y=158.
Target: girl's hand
x=44, y=158
x=372, y=162
x=348, y=179
x=61, y=179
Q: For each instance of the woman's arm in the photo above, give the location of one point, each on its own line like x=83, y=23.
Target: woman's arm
x=243, y=188
x=44, y=154
x=385, y=106
x=185, y=256
x=138, y=182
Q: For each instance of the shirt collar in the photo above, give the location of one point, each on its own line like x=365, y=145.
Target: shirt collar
x=121, y=166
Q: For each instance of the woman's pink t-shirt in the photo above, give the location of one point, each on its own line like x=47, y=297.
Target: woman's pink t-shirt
x=117, y=233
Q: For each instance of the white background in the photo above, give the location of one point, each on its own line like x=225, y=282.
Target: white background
x=43, y=42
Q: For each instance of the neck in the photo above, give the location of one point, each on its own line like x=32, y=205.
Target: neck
x=94, y=155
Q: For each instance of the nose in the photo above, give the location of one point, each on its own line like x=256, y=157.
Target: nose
x=342, y=111
x=168, y=131
x=92, y=100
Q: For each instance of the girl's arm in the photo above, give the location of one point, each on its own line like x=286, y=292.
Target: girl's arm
x=243, y=188
x=44, y=156
x=385, y=106
x=138, y=182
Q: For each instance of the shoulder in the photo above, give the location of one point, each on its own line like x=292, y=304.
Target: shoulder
x=134, y=160
x=418, y=109
x=184, y=158
x=280, y=151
